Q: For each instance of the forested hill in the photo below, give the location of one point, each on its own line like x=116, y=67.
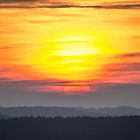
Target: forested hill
x=76, y=128
x=2, y=116
x=68, y=111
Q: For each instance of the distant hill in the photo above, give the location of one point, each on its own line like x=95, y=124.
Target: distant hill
x=68, y=111
x=3, y=116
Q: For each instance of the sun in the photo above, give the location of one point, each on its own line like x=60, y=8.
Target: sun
x=75, y=59
x=68, y=58
x=76, y=46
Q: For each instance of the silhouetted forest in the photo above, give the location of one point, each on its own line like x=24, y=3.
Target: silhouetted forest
x=71, y=128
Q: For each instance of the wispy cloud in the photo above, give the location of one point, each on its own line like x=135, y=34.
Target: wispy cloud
x=121, y=73
x=125, y=70
x=16, y=1
x=130, y=55
x=68, y=4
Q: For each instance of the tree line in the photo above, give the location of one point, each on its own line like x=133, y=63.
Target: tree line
x=70, y=128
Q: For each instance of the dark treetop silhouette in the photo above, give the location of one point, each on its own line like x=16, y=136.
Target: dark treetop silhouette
x=71, y=128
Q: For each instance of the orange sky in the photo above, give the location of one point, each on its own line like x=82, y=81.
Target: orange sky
x=76, y=46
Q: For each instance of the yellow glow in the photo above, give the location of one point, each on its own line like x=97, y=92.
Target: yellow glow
x=74, y=58
x=75, y=47
x=74, y=44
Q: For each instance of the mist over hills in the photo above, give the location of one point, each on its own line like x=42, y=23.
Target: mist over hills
x=67, y=111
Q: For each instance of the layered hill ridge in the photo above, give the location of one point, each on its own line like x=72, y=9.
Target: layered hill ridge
x=68, y=111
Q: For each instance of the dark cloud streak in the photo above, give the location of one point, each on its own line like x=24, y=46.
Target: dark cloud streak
x=69, y=6
x=16, y=1
x=48, y=4
x=136, y=54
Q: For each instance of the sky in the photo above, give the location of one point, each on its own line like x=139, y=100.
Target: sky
x=69, y=53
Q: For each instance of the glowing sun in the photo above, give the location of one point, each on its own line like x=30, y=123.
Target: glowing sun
x=77, y=60
x=66, y=59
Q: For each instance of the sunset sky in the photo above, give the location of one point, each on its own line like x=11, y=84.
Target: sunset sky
x=60, y=52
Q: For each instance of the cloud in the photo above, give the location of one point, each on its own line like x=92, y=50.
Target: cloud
x=66, y=4
x=130, y=55
x=72, y=6
x=116, y=73
x=16, y=1
x=124, y=70
x=129, y=67
x=128, y=62
x=105, y=95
